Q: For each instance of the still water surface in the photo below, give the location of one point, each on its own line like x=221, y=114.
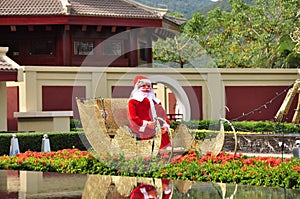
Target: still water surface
x=48, y=185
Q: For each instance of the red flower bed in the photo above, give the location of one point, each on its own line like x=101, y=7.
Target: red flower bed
x=226, y=168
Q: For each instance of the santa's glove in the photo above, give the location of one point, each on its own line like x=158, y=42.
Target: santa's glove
x=164, y=130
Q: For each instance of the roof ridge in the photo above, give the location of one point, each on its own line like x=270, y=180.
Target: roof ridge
x=103, y=8
x=159, y=11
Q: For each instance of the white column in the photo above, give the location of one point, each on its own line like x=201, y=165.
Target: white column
x=99, y=85
x=3, y=181
x=216, y=89
x=30, y=180
x=28, y=92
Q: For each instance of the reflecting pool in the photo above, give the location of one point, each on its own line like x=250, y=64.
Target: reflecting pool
x=42, y=185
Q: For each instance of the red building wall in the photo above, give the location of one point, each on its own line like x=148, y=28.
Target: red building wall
x=172, y=103
x=262, y=102
x=121, y=91
x=194, y=94
x=62, y=98
x=40, y=46
x=12, y=106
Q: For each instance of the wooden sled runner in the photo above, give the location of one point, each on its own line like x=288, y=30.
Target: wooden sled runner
x=105, y=124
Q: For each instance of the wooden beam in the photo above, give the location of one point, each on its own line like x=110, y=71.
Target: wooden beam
x=79, y=20
x=133, y=53
x=13, y=28
x=30, y=28
x=64, y=49
x=113, y=28
x=99, y=28
x=9, y=75
x=83, y=28
x=48, y=28
x=67, y=27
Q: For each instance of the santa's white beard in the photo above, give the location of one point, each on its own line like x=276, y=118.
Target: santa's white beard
x=139, y=95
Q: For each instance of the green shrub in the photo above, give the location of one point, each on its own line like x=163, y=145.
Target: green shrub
x=32, y=141
x=242, y=126
x=75, y=125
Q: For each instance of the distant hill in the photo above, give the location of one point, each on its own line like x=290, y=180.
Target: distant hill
x=223, y=4
x=186, y=7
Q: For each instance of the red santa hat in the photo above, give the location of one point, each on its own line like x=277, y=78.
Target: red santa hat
x=140, y=80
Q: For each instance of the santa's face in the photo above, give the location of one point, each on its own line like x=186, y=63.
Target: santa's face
x=146, y=88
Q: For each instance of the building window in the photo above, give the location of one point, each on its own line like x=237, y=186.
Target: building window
x=112, y=48
x=42, y=47
x=83, y=48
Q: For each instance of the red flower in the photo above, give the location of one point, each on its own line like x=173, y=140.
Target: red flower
x=296, y=168
x=244, y=169
x=248, y=161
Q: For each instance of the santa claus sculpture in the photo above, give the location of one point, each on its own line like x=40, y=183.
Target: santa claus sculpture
x=144, y=109
x=146, y=191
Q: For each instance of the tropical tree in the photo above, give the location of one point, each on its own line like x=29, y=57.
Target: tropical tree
x=249, y=35
x=181, y=51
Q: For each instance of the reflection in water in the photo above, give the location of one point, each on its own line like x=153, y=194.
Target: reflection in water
x=39, y=185
x=112, y=187
x=107, y=187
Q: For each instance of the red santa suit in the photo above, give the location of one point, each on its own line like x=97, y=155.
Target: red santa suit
x=144, y=107
x=145, y=191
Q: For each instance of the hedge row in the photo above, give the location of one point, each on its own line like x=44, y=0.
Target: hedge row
x=32, y=141
x=63, y=140
x=243, y=126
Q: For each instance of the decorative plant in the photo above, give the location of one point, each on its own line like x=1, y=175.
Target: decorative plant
x=226, y=168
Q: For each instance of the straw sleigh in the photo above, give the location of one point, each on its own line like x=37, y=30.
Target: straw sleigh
x=105, y=124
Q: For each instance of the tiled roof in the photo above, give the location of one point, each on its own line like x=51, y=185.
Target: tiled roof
x=106, y=8
x=178, y=21
x=5, y=66
x=31, y=7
